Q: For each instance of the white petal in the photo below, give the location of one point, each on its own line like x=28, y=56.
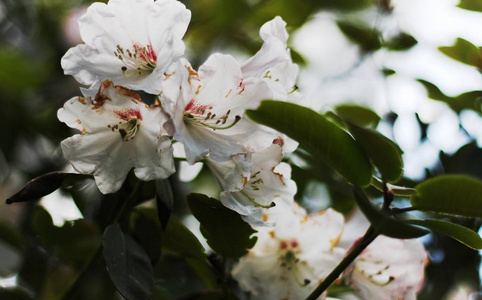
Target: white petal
x=103, y=150
x=389, y=269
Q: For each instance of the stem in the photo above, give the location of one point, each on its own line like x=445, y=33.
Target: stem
x=72, y=289
x=369, y=236
x=397, y=190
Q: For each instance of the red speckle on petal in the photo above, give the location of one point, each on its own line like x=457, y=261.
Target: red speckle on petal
x=279, y=141
x=283, y=245
x=127, y=114
x=294, y=244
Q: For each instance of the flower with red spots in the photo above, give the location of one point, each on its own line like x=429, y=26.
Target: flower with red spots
x=290, y=259
x=130, y=42
x=207, y=109
x=118, y=132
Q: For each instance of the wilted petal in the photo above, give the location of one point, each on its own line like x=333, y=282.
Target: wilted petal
x=118, y=132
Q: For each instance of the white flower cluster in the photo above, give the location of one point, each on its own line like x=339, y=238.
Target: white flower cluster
x=294, y=256
x=136, y=45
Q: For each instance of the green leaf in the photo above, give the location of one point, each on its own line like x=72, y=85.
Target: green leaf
x=44, y=185
x=385, y=154
x=226, y=233
x=475, y=5
x=464, y=52
x=450, y=194
x=180, y=241
x=403, y=41
x=358, y=115
x=321, y=137
x=164, y=201
x=74, y=242
x=470, y=100
x=460, y=233
x=367, y=37
x=148, y=236
x=128, y=265
x=386, y=224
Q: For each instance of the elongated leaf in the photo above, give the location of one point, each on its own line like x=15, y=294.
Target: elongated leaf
x=470, y=100
x=226, y=233
x=148, y=236
x=475, y=5
x=385, y=224
x=322, y=138
x=43, y=185
x=385, y=154
x=164, y=201
x=358, y=115
x=177, y=240
x=450, y=194
x=464, y=52
x=401, y=42
x=128, y=265
x=460, y=233
x=367, y=37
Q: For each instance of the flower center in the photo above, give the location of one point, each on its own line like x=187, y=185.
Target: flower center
x=129, y=129
x=201, y=115
x=140, y=59
x=289, y=249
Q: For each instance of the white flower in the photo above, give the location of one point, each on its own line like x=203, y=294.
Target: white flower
x=131, y=42
x=290, y=259
x=389, y=269
x=207, y=108
x=250, y=189
x=273, y=61
x=273, y=64
x=118, y=132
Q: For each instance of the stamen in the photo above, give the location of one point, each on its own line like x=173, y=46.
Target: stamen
x=141, y=59
x=292, y=261
x=189, y=118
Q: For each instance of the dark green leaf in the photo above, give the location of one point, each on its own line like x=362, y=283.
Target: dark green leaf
x=179, y=241
x=475, y=5
x=387, y=72
x=450, y=194
x=470, y=100
x=315, y=133
x=386, y=224
x=148, y=236
x=11, y=235
x=385, y=154
x=358, y=115
x=401, y=42
x=14, y=293
x=460, y=233
x=368, y=38
x=164, y=201
x=128, y=265
x=43, y=185
x=226, y=233
x=464, y=52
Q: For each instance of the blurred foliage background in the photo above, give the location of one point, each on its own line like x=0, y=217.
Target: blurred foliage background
x=35, y=34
